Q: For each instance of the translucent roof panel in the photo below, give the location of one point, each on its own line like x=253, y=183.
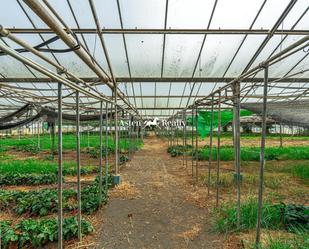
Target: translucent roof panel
x=15, y=9
x=189, y=14
x=246, y=52
x=153, y=39
x=270, y=14
x=181, y=53
x=142, y=14
x=217, y=53
x=145, y=52
x=240, y=13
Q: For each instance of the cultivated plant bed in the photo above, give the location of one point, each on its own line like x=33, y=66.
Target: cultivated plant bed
x=247, y=153
x=36, y=233
x=292, y=220
x=44, y=202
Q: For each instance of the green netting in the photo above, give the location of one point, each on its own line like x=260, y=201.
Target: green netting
x=204, y=120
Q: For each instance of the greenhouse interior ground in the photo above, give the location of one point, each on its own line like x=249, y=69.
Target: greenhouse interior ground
x=154, y=124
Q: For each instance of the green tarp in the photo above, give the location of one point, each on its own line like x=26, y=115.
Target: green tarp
x=204, y=120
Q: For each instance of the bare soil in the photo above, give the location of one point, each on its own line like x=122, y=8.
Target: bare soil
x=152, y=208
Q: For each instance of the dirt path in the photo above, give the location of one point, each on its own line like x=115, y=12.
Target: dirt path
x=151, y=208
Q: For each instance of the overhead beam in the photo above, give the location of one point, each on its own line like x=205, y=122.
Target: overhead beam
x=158, y=79
x=165, y=31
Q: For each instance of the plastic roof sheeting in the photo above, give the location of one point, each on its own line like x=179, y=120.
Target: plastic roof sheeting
x=162, y=55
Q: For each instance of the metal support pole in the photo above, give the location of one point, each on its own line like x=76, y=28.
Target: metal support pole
x=186, y=155
x=236, y=136
x=130, y=137
x=60, y=214
x=116, y=133
x=210, y=144
x=106, y=148
x=183, y=142
x=101, y=153
x=38, y=130
x=52, y=131
x=79, y=214
x=192, y=141
x=281, y=140
x=88, y=134
x=218, y=149
x=196, y=144
x=172, y=132
x=262, y=161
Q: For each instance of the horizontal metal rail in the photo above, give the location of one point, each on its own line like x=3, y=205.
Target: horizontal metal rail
x=165, y=31
x=203, y=80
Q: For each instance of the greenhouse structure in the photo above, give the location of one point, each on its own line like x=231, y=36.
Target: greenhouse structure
x=154, y=124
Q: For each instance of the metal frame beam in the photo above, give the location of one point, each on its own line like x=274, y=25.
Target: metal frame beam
x=203, y=80
x=165, y=31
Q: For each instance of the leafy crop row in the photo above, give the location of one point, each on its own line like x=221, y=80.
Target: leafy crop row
x=247, y=153
x=41, y=167
x=27, y=179
x=37, y=233
x=29, y=143
x=44, y=202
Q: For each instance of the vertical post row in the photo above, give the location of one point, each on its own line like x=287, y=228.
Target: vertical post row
x=106, y=147
x=218, y=149
x=236, y=133
x=262, y=161
x=60, y=214
x=101, y=153
x=79, y=215
x=210, y=143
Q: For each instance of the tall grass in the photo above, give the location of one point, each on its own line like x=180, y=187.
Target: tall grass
x=300, y=170
x=299, y=241
x=226, y=218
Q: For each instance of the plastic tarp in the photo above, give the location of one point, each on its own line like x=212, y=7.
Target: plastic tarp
x=284, y=112
x=204, y=120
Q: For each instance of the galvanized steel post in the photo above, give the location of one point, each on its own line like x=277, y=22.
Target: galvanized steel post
x=236, y=136
x=218, y=149
x=79, y=215
x=210, y=144
x=262, y=161
x=60, y=213
x=101, y=153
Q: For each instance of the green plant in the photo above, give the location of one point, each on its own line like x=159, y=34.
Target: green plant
x=43, y=202
x=225, y=180
x=299, y=241
x=37, y=233
x=31, y=148
x=27, y=179
x=226, y=216
x=253, y=153
x=296, y=217
x=123, y=158
x=8, y=234
x=33, y=166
